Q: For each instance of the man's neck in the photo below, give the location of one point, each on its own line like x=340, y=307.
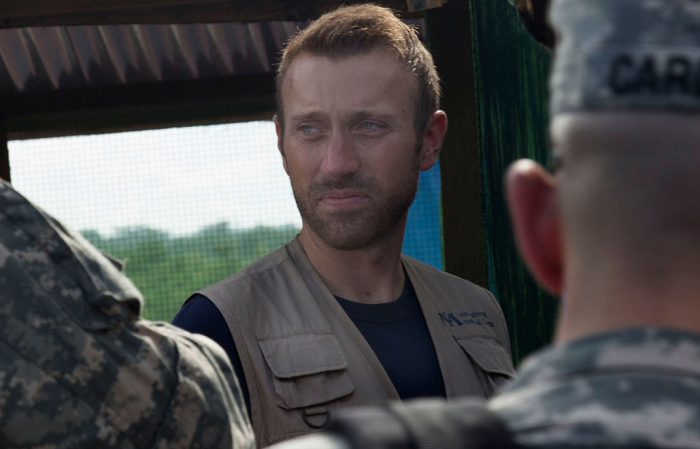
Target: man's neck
x=371, y=275
x=595, y=306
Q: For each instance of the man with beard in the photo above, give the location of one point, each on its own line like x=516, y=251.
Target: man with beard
x=338, y=317
x=615, y=229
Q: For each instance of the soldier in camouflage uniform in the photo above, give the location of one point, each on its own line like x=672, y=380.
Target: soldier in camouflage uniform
x=80, y=369
x=616, y=231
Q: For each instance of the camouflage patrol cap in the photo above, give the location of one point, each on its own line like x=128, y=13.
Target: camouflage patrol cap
x=626, y=54
x=80, y=369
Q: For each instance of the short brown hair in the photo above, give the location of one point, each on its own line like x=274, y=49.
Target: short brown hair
x=352, y=30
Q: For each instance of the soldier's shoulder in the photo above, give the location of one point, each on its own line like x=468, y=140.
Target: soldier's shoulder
x=628, y=387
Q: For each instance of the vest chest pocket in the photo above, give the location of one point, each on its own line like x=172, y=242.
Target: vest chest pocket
x=492, y=358
x=308, y=372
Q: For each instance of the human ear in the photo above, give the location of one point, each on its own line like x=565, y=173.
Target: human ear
x=535, y=213
x=432, y=140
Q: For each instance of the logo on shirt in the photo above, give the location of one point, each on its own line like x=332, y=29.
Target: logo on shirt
x=453, y=319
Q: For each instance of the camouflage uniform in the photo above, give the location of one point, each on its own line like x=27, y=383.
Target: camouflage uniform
x=80, y=369
x=629, y=388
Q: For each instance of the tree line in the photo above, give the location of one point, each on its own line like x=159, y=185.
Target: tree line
x=168, y=269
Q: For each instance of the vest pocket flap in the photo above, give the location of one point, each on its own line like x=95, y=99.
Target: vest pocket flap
x=301, y=355
x=488, y=354
x=308, y=370
x=313, y=389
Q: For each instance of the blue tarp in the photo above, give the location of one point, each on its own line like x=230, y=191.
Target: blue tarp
x=423, y=238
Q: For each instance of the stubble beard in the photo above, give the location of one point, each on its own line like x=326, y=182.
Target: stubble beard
x=358, y=228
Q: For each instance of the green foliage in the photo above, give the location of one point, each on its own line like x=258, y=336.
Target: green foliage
x=168, y=269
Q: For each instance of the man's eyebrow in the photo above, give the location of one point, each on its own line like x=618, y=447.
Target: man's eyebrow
x=374, y=115
x=359, y=115
x=313, y=115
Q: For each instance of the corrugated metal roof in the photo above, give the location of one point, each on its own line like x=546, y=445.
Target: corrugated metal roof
x=51, y=58
x=41, y=59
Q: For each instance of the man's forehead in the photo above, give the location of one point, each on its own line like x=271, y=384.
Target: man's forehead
x=371, y=81
x=374, y=61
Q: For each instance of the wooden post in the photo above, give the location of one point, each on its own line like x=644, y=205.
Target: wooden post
x=4, y=151
x=450, y=40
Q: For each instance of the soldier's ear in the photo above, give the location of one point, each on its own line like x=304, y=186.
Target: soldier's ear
x=280, y=146
x=535, y=213
x=432, y=140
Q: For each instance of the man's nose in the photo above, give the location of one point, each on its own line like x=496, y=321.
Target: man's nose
x=340, y=155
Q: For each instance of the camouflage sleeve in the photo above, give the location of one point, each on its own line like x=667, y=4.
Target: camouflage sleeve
x=207, y=388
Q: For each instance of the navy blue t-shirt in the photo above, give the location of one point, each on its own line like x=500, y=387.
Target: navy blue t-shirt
x=396, y=332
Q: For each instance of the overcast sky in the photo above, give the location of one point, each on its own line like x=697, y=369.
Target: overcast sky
x=177, y=180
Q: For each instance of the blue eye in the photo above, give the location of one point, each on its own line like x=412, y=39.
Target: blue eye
x=368, y=125
x=306, y=129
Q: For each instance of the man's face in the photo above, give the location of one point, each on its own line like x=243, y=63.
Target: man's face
x=349, y=145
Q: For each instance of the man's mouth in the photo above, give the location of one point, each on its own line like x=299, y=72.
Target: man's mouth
x=339, y=199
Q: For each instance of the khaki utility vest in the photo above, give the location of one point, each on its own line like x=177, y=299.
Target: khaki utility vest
x=303, y=357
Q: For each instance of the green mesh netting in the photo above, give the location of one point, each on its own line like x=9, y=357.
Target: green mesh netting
x=511, y=71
